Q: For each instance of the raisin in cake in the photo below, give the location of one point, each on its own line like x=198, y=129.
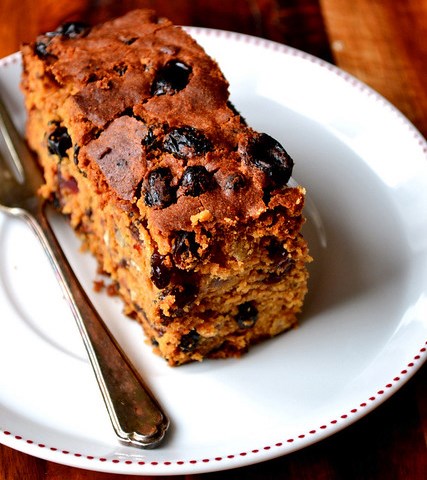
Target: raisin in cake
x=186, y=207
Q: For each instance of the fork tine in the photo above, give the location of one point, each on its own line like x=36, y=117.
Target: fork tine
x=9, y=185
x=8, y=130
x=6, y=172
x=21, y=156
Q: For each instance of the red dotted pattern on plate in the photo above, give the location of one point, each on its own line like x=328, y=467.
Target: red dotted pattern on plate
x=380, y=394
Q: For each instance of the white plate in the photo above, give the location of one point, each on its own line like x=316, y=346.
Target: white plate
x=363, y=332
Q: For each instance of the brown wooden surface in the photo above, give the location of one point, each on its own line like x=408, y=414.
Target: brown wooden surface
x=381, y=42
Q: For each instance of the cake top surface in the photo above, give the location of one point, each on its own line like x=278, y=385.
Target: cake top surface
x=138, y=62
x=148, y=111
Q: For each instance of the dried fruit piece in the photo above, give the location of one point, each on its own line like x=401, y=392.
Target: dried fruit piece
x=184, y=248
x=196, y=180
x=70, y=30
x=235, y=181
x=58, y=142
x=185, y=292
x=76, y=151
x=268, y=155
x=171, y=78
x=189, y=341
x=186, y=142
x=247, y=315
x=40, y=49
x=283, y=261
x=67, y=30
x=159, y=192
x=160, y=272
x=149, y=139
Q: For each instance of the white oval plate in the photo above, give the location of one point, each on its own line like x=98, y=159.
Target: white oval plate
x=363, y=332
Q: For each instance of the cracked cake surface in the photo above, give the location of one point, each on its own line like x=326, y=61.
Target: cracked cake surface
x=184, y=205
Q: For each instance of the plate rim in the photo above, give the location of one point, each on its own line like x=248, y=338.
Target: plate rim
x=114, y=464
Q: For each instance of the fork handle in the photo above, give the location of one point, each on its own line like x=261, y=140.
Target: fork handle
x=136, y=416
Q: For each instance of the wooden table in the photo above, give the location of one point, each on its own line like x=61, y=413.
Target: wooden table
x=381, y=42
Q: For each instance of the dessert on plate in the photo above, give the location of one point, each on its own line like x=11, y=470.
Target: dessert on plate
x=184, y=205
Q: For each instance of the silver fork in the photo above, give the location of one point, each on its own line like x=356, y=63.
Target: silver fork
x=136, y=416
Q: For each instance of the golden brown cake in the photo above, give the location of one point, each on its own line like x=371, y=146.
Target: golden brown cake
x=186, y=207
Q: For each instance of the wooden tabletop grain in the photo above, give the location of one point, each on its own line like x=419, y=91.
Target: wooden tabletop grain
x=381, y=42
